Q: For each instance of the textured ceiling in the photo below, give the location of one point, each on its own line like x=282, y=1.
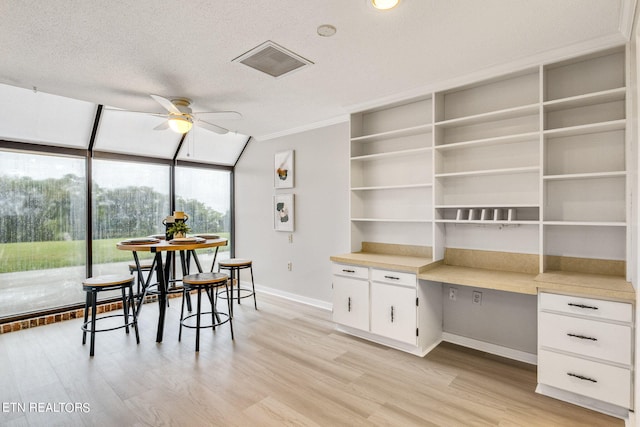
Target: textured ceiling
x=117, y=52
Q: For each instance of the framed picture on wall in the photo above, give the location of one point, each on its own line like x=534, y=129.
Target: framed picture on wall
x=283, y=210
x=283, y=169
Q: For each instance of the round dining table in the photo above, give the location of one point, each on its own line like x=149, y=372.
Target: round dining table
x=186, y=246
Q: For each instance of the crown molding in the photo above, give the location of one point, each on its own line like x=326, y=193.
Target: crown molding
x=315, y=125
x=627, y=16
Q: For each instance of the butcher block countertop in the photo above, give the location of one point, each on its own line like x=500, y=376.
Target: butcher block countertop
x=489, y=270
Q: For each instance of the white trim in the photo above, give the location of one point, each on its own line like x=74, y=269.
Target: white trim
x=323, y=305
x=627, y=14
x=387, y=342
x=490, y=348
x=310, y=126
x=584, y=401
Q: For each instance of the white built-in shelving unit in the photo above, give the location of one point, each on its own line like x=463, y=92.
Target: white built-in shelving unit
x=391, y=174
x=584, y=150
x=530, y=162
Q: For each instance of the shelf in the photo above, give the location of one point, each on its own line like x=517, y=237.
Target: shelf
x=415, y=130
x=492, y=206
x=594, y=175
x=602, y=97
x=391, y=220
x=391, y=154
x=523, y=137
x=491, y=116
x=505, y=171
x=584, y=129
x=587, y=223
x=392, y=187
x=488, y=222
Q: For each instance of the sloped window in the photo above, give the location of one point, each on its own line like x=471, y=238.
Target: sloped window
x=36, y=117
x=131, y=133
x=201, y=145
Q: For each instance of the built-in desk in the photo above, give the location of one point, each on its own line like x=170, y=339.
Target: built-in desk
x=585, y=320
x=589, y=285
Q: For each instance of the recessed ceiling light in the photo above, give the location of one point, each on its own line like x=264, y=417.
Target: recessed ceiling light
x=326, y=30
x=384, y=4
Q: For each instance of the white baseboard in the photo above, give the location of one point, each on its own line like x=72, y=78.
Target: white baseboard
x=324, y=305
x=490, y=348
x=585, y=402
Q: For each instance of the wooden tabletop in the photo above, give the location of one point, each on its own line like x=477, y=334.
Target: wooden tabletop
x=164, y=245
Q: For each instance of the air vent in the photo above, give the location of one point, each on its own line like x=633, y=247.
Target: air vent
x=272, y=59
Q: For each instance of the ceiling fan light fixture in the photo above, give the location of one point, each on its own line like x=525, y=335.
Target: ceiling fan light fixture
x=180, y=124
x=384, y=4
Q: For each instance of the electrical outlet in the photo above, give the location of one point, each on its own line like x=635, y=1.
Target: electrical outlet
x=289, y=266
x=477, y=297
x=453, y=294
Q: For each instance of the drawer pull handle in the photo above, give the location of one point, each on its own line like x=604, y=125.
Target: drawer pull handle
x=349, y=304
x=581, y=377
x=582, y=306
x=391, y=314
x=348, y=271
x=392, y=277
x=582, y=337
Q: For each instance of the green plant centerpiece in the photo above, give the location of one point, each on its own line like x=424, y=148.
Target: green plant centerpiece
x=179, y=229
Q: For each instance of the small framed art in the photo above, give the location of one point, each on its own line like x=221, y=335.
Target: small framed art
x=283, y=210
x=283, y=169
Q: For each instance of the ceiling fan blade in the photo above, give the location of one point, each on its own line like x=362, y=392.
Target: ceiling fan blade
x=162, y=126
x=219, y=115
x=167, y=104
x=211, y=127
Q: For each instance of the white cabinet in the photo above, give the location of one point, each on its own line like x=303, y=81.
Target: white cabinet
x=386, y=306
x=351, y=296
x=394, y=305
x=585, y=351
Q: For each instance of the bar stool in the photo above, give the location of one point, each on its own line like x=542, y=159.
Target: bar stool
x=234, y=265
x=207, y=282
x=141, y=281
x=94, y=285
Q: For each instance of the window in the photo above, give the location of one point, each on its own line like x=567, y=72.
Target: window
x=42, y=231
x=205, y=195
x=129, y=200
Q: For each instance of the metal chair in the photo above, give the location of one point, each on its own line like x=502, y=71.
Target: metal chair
x=234, y=266
x=209, y=282
x=93, y=286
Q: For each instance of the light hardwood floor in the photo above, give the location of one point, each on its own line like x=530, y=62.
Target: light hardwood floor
x=287, y=366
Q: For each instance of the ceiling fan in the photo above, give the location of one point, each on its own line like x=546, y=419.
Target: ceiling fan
x=181, y=118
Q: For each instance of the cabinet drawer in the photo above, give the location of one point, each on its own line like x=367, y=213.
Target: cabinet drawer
x=598, y=309
x=586, y=337
x=597, y=380
x=350, y=270
x=394, y=277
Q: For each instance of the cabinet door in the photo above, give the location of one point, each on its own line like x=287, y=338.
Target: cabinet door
x=351, y=302
x=393, y=312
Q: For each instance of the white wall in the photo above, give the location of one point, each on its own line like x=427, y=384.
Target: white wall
x=321, y=191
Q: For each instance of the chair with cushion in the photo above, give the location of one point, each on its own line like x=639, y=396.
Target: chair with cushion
x=210, y=283
x=234, y=266
x=112, y=282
